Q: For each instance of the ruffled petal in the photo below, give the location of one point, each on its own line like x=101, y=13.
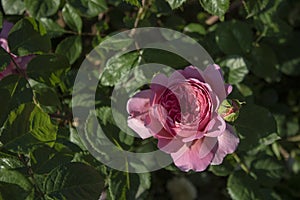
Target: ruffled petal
x=227, y=143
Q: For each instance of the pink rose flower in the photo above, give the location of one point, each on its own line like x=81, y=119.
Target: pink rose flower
x=21, y=61
x=182, y=113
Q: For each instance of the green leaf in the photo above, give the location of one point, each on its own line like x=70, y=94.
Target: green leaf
x=53, y=29
x=45, y=159
x=268, y=170
x=48, y=68
x=117, y=66
x=46, y=96
x=237, y=69
x=15, y=192
x=175, y=3
x=71, y=47
x=75, y=138
x=9, y=162
x=270, y=23
x=28, y=37
x=265, y=63
x=1, y=19
x=288, y=55
x=116, y=44
x=4, y=59
x=13, y=7
x=124, y=185
x=4, y=102
x=145, y=184
x=225, y=168
x=15, y=91
x=15, y=177
x=242, y=186
x=164, y=57
x=215, y=7
x=40, y=8
x=254, y=122
x=73, y=181
x=19, y=134
x=234, y=37
x=291, y=67
x=254, y=7
x=89, y=8
x=72, y=18
x=126, y=138
x=133, y=2
x=195, y=28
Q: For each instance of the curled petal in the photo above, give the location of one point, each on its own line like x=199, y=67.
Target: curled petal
x=214, y=78
x=227, y=143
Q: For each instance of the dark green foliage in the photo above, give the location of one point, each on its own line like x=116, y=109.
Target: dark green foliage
x=42, y=156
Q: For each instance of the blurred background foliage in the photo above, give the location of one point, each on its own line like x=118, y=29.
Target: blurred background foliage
x=256, y=42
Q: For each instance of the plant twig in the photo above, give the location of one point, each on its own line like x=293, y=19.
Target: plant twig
x=31, y=175
x=242, y=165
x=139, y=16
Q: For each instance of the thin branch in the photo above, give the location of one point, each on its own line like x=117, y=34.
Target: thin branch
x=242, y=165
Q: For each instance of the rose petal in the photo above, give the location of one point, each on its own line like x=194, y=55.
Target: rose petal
x=212, y=75
x=24, y=60
x=227, y=143
x=208, y=143
x=186, y=133
x=192, y=72
x=215, y=127
x=175, y=78
x=170, y=145
x=7, y=71
x=153, y=124
x=139, y=127
x=6, y=26
x=187, y=158
x=139, y=103
x=159, y=83
x=138, y=107
x=228, y=88
x=4, y=44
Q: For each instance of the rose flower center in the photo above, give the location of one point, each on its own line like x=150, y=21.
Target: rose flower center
x=187, y=104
